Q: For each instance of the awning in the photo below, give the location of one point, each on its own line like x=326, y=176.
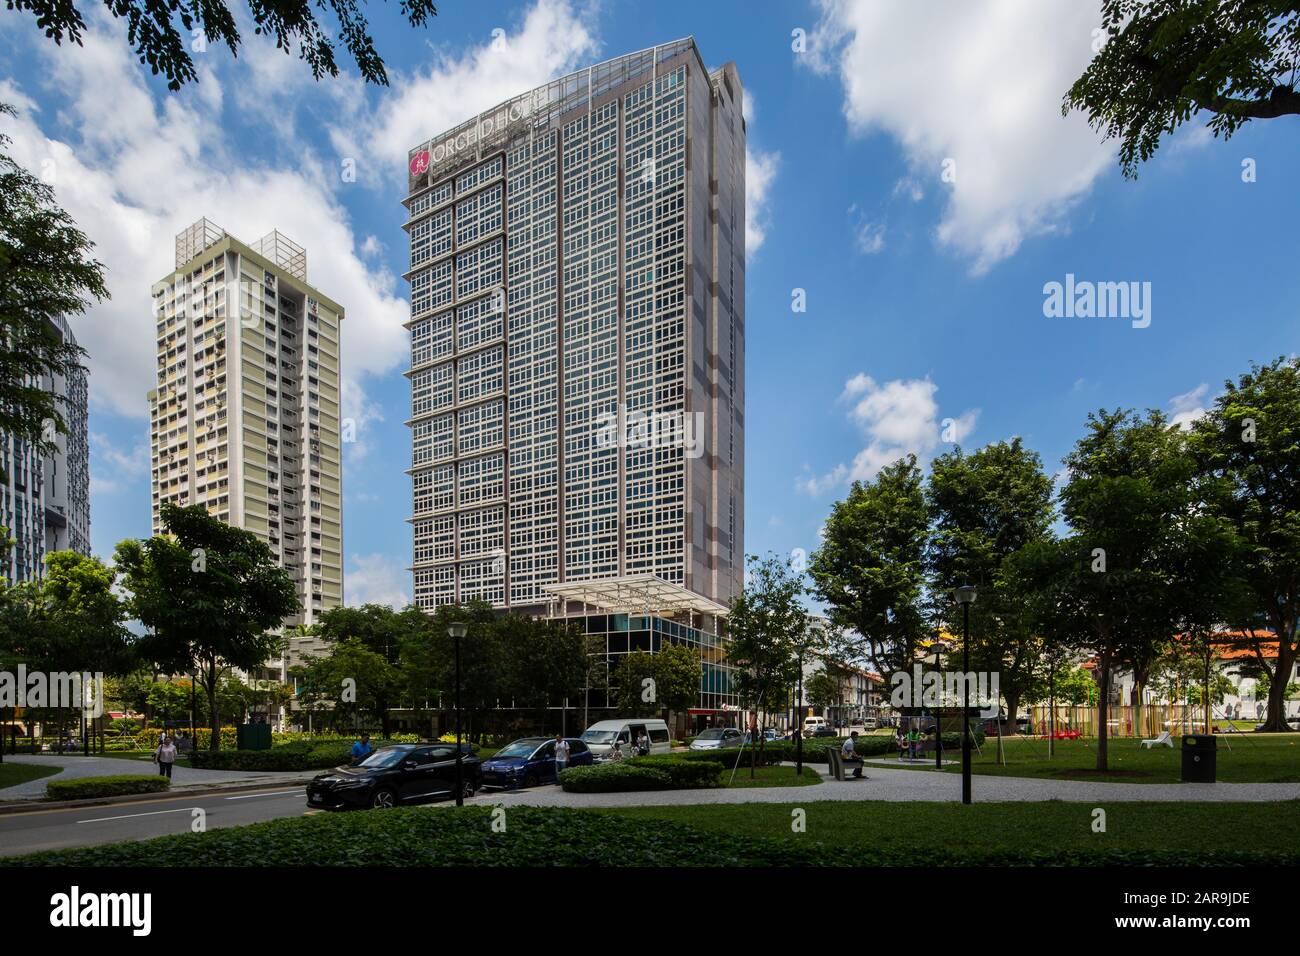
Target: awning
x=635, y=594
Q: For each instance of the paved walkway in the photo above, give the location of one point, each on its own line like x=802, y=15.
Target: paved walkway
x=915, y=785
x=77, y=767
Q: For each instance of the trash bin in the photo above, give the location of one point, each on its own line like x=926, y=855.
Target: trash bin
x=1199, y=758
x=253, y=736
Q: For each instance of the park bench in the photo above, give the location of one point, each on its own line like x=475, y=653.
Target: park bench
x=837, y=763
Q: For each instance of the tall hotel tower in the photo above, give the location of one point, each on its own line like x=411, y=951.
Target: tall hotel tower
x=245, y=418
x=578, y=266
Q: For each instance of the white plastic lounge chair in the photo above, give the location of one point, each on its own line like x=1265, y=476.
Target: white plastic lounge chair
x=1164, y=740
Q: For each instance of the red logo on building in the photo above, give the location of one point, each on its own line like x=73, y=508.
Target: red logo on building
x=419, y=162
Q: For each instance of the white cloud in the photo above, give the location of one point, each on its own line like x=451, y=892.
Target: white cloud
x=1188, y=407
x=868, y=235
x=113, y=467
x=133, y=183
x=760, y=173
x=897, y=418
x=981, y=85
x=377, y=579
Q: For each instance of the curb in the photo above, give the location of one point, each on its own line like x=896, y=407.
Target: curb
x=36, y=804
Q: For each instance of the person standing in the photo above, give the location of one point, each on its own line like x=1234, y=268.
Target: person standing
x=642, y=744
x=361, y=749
x=561, y=756
x=165, y=756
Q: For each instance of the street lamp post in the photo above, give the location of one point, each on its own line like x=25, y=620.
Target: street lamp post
x=798, y=722
x=456, y=631
x=965, y=597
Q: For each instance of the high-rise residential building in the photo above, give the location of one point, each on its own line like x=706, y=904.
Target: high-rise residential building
x=577, y=331
x=45, y=499
x=577, y=354
x=245, y=417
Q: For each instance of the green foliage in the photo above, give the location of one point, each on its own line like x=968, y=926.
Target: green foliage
x=870, y=570
x=1166, y=60
x=985, y=508
x=71, y=621
x=111, y=786
x=552, y=836
x=46, y=273
x=683, y=774
x=616, y=777
x=209, y=594
x=767, y=625
x=822, y=690
x=675, y=671
x=1248, y=449
x=160, y=32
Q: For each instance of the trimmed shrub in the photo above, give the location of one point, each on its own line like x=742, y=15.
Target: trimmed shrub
x=112, y=786
x=617, y=777
x=684, y=774
x=554, y=836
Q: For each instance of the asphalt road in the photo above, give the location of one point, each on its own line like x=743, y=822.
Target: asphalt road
x=140, y=820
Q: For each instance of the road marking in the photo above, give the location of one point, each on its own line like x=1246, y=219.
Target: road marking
x=274, y=793
x=128, y=816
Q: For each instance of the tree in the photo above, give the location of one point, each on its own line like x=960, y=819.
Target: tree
x=674, y=673
x=351, y=680
x=985, y=507
x=1248, y=449
x=1124, y=580
x=1165, y=60
x=822, y=690
x=160, y=30
x=633, y=683
x=381, y=632
x=870, y=570
x=46, y=273
x=209, y=595
x=766, y=625
x=677, y=677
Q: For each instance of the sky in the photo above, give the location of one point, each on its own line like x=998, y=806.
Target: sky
x=913, y=191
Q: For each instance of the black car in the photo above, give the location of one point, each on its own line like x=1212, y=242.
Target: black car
x=824, y=731
x=405, y=773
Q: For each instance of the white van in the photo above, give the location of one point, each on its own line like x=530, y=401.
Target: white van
x=812, y=723
x=601, y=735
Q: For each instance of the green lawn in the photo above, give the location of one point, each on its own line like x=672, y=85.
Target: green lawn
x=771, y=777
x=12, y=774
x=885, y=827
x=1254, y=758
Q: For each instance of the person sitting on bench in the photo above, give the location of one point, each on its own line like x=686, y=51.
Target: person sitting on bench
x=849, y=754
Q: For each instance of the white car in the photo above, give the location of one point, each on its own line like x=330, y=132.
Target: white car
x=716, y=738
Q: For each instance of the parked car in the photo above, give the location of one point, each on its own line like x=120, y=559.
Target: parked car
x=601, y=736
x=825, y=730
x=403, y=773
x=715, y=738
x=529, y=761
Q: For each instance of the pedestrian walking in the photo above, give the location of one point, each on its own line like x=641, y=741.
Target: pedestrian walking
x=165, y=756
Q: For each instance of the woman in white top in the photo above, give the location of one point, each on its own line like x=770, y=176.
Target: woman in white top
x=165, y=756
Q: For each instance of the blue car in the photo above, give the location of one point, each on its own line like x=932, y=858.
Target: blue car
x=529, y=761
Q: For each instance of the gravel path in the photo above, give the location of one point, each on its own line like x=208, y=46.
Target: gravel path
x=77, y=767
x=915, y=785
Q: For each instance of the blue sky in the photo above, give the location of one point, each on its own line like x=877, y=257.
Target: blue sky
x=924, y=291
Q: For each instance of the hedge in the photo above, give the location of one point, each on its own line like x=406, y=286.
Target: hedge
x=111, y=786
x=617, y=777
x=684, y=774
x=554, y=836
